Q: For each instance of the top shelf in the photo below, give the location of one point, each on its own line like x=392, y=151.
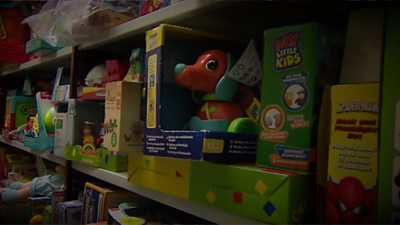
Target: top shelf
x=48, y=63
x=171, y=14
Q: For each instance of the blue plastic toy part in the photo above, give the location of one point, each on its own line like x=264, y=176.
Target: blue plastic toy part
x=179, y=68
x=226, y=87
x=215, y=125
x=243, y=125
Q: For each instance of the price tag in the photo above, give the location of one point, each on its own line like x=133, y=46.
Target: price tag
x=247, y=69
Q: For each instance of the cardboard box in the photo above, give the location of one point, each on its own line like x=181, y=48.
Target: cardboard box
x=170, y=107
x=389, y=145
x=362, y=56
x=295, y=57
x=38, y=47
x=17, y=110
x=98, y=199
x=353, y=154
x=162, y=174
x=69, y=212
x=123, y=130
x=69, y=120
x=261, y=194
x=40, y=210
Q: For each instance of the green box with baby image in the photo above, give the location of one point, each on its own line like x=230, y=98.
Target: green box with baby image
x=296, y=60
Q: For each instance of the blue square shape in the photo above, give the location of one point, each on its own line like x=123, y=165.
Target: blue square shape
x=269, y=208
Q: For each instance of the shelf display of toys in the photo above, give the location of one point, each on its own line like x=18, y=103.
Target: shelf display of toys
x=353, y=154
x=178, y=79
x=99, y=76
x=40, y=135
x=18, y=110
x=295, y=60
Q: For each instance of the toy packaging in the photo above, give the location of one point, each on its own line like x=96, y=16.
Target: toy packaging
x=353, y=154
x=389, y=148
x=294, y=60
x=40, y=210
x=149, y=6
x=167, y=175
x=40, y=135
x=69, y=212
x=97, y=200
x=18, y=110
x=175, y=78
x=136, y=68
x=123, y=130
x=69, y=119
x=38, y=47
x=56, y=197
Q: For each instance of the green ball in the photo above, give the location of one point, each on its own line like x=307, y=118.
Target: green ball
x=48, y=121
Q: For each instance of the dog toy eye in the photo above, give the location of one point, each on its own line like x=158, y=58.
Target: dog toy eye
x=211, y=65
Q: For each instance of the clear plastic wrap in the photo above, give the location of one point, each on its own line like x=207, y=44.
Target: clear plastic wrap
x=70, y=22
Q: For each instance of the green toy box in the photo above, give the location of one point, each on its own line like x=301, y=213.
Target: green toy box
x=101, y=157
x=293, y=66
x=262, y=194
x=38, y=47
x=389, y=153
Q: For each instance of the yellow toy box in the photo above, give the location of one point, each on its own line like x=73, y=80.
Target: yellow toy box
x=162, y=174
x=123, y=130
x=353, y=154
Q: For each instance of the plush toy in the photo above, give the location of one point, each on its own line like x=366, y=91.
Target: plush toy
x=95, y=76
x=208, y=76
x=39, y=186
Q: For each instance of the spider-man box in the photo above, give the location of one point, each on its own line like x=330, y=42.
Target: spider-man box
x=185, y=67
x=353, y=154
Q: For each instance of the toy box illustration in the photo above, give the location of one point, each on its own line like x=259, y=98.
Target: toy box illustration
x=263, y=194
x=179, y=82
x=294, y=59
x=353, y=154
x=122, y=125
x=18, y=110
x=389, y=143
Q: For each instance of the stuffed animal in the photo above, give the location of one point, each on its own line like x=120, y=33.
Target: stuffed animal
x=208, y=76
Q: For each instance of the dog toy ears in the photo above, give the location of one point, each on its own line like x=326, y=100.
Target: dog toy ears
x=226, y=87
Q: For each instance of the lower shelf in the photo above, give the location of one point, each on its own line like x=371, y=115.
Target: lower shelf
x=197, y=209
x=45, y=155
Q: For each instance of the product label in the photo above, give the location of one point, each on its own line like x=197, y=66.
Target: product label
x=287, y=53
x=151, y=91
x=247, y=69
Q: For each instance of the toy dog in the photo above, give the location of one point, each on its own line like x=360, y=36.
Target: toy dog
x=208, y=76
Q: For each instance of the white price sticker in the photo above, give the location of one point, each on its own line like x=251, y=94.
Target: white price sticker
x=247, y=69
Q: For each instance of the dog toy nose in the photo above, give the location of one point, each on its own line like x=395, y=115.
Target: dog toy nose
x=179, y=68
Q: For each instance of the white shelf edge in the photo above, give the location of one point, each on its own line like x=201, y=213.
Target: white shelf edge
x=201, y=210
x=45, y=155
x=169, y=14
x=58, y=55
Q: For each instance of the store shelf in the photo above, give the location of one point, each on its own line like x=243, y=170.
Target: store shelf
x=45, y=155
x=197, y=209
x=48, y=63
x=171, y=14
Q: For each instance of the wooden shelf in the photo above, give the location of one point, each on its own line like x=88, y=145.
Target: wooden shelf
x=45, y=155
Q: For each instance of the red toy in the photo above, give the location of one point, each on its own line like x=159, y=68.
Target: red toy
x=350, y=203
x=208, y=76
x=116, y=71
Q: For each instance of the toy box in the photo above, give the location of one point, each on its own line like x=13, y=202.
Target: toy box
x=162, y=174
x=262, y=194
x=69, y=119
x=389, y=147
x=149, y=6
x=40, y=210
x=353, y=154
x=294, y=61
x=69, y=212
x=97, y=200
x=122, y=125
x=40, y=135
x=38, y=47
x=136, y=68
x=18, y=110
x=170, y=107
x=56, y=197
